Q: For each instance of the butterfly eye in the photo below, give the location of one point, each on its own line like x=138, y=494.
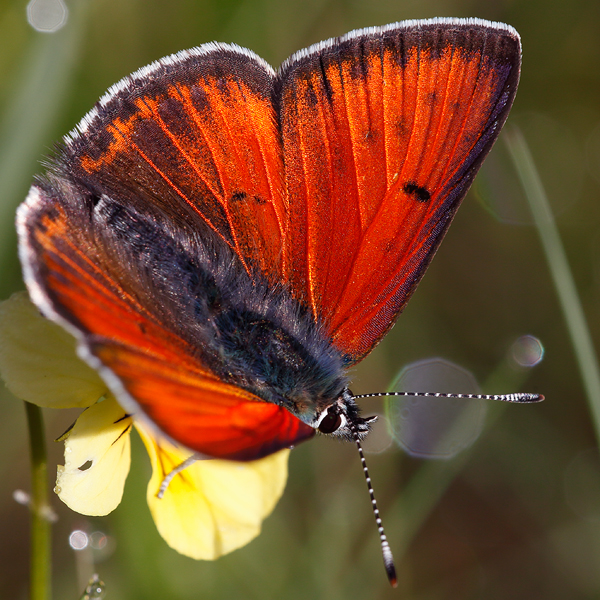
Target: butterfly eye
x=331, y=421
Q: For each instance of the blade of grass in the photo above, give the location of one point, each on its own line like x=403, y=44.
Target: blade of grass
x=562, y=276
x=41, y=558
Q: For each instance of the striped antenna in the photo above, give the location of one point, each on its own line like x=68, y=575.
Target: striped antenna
x=175, y=471
x=520, y=398
x=388, y=559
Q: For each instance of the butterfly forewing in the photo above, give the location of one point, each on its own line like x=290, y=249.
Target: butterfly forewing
x=192, y=136
x=383, y=132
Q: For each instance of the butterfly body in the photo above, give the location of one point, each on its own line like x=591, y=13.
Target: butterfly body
x=226, y=241
x=249, y=333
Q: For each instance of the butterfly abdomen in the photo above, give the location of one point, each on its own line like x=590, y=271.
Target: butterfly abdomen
x=276, y=365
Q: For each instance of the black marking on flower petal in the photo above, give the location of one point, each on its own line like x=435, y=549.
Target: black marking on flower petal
x=126, y=430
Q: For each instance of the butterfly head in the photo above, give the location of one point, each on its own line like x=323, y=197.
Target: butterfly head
x=342, y=418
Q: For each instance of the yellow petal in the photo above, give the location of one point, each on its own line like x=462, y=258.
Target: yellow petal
x=38, y=361
x=214, y=506
x=97, y=459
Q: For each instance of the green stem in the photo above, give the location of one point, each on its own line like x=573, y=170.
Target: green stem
x=559, y=269
x=40, y=509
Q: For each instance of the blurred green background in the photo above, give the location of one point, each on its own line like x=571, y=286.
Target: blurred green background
x=515, y=516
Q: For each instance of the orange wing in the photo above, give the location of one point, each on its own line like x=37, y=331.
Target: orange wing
x=141, y=348
x=192, y=136
x=198, y=410
x=383, y=132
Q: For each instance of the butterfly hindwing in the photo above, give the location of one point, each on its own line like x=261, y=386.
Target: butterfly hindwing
x=130, y=291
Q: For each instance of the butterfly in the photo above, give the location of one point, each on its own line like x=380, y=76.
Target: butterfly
x=226, y=241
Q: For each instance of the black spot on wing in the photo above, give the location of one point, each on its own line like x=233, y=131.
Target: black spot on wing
x=420, y=193
x=238, y=196
x=243, y=197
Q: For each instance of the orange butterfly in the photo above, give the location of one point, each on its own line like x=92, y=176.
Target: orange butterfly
x=225, y=241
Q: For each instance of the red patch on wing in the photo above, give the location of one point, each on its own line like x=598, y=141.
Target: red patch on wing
x=200, y=149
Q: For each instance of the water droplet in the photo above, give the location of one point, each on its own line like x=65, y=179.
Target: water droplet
x=96, y=590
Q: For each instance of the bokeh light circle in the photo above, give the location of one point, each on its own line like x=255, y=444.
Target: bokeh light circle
x=78, y=540
x=435, y=428
x=527, y=351
x=47, y=16
x=379, y=438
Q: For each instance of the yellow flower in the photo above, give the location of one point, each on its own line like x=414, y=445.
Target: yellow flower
x=209, y=509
